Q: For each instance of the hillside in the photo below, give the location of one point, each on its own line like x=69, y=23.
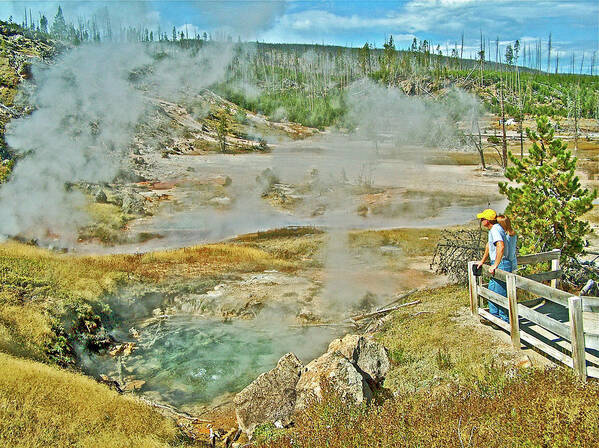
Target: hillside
x=153, y=300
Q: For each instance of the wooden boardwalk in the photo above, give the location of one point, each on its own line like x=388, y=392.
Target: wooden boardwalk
x=562, y=326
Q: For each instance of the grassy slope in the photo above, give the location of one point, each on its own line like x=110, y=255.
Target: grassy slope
x=44, y=294
x=536, y=409
x=452, y=388
x=41, y=406
x=444, y=343
x=446, y=374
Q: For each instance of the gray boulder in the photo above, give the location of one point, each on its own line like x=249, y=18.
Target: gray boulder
x=334, y=369
x=270, y=397
x=367, y=355
x=133, y=204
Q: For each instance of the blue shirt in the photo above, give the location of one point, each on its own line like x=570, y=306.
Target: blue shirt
x=496, y=234
x=511, y=250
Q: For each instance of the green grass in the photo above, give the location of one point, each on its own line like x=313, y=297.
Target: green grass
x=108, y=221
x=444, y=343
x=8, y=82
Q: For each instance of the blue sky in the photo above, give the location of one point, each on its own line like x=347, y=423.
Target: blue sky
x=574, y=24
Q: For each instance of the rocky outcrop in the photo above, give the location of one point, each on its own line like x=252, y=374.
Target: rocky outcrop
x=271, y=397
x=352, y=367
x=368, y=356
x=338, y=373
x=133, y=204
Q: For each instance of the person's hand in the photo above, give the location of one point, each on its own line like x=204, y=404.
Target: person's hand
x=492, y=270
x=479, y=264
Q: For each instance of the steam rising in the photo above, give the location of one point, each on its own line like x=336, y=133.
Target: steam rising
x=85, y=117
x=88, y=106
x=388, y=114
x=86, y=113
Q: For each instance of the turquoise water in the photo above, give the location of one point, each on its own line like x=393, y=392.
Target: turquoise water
x=188, y=360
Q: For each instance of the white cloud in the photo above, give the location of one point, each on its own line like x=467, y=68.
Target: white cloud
x=447, y=20
x=189, y=29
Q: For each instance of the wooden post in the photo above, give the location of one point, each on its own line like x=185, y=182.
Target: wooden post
x=481, y=299
x=513, y=310
x=577, y=337
x=555, y=267
x=472, y=288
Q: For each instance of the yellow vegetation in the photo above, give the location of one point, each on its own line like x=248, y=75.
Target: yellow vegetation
x=39, y=287
x=8, y=82
x=108, y=221
x=292, y=244
x=413, y=242
x=42, y=406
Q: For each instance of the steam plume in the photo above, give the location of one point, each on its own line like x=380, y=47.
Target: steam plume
x=85, y=116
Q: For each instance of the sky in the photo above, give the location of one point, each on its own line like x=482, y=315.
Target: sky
x=574, y=24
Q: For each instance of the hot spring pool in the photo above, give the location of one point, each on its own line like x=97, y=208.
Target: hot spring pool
x=187, y=360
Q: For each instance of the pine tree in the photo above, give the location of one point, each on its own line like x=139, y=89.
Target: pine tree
x=516, y=51
x=43, y=24
x=548, y=201
x=509, y=54
x=364, y=58
x=59, y=26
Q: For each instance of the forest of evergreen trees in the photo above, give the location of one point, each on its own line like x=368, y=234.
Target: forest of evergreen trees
x=307, y=82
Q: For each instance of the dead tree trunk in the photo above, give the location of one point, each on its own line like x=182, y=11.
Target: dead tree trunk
x=504, y=139
x=576, y=97
x=478, y=143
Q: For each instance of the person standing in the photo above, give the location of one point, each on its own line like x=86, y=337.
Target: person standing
x=511, y=240
x=495, y=251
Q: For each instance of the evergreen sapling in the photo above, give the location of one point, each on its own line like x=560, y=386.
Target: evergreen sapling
x=548, y=201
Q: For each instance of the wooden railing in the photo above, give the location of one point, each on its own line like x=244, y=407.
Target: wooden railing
x=581, y=341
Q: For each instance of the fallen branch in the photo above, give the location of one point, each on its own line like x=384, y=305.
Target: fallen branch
x=384, y=311
x=9, y=110
x=377, y=324
x=174, y=411
x=397, y=299
x=340, y=324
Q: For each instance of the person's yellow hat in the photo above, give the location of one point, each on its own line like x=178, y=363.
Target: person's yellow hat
x=487, y=214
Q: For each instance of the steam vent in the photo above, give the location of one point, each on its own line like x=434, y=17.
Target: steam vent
x=277, y=224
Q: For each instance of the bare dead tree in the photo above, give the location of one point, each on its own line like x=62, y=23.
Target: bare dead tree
x=576, y=112
x=504, y=140
x=455, y=250
x=477, y=141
